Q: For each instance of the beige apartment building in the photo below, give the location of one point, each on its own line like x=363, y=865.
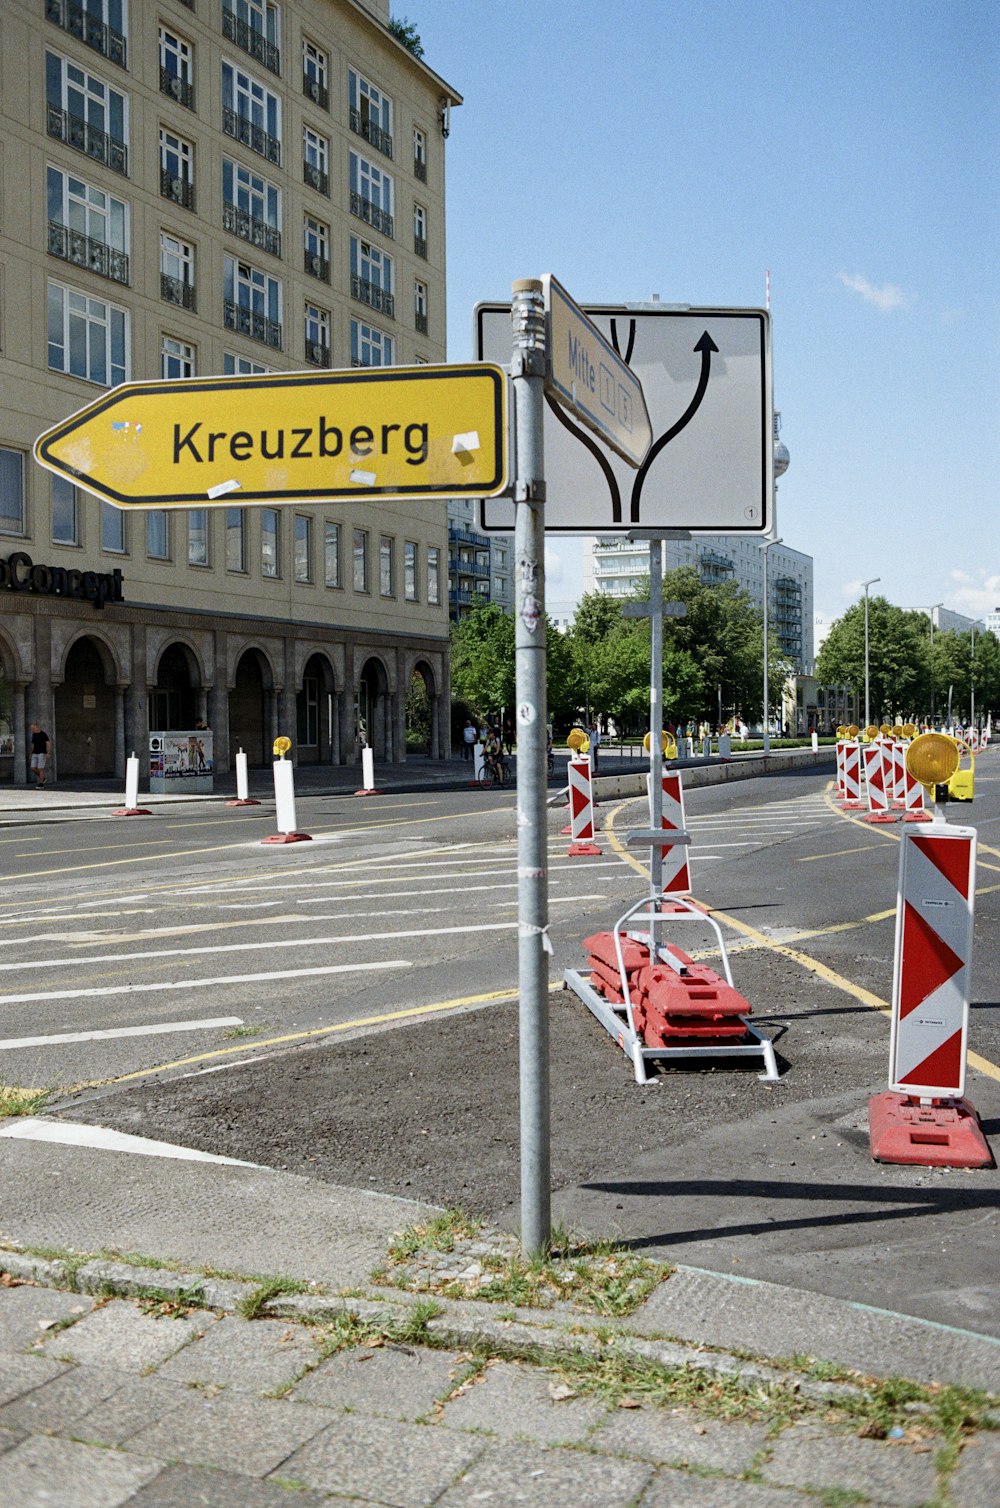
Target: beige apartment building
x=187, y=188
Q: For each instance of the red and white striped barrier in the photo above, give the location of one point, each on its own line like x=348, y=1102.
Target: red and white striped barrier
x=675, y=871
x=841, y=779
x=913, y=797
x=284, y=801
x=581, y=807
x=923, y=1118
x=132, y=807
x=875, y=780
x=851, y=798
x=243, y=797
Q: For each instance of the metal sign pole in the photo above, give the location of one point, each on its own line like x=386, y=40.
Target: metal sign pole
x=656, y=709
x=528, y=374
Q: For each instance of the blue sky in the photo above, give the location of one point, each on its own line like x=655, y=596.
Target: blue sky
x=684, y=149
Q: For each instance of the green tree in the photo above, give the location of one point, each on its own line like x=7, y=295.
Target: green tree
x=405, y=31
x=899, y=665
x=483, y=664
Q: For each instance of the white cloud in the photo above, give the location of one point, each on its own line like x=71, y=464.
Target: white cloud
x=885, y=298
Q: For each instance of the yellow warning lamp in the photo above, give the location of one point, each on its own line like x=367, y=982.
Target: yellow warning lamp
x=841, y=731
x=668, y=745
x=871, y=733
x=909, y=730
x=281, y=746
x=933, y=759
x=852, y=730
x=578, y=741
x=897, y=730
x=885, y=729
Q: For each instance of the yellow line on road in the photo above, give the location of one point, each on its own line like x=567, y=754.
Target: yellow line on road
x=837, y=852
x=804, y=960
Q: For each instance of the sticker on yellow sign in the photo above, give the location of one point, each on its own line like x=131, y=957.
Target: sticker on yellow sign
x=289, y=437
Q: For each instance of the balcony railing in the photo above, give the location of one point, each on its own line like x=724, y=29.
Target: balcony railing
x=248, y=322
x=317, y=92
x=420, y=323
x=176, y=291
x=83, y=251
x=255, y=137
x=456, y=531
x=373, y=134
x=315, y=177
x=371, y=294
x=91, y=30
x=317, y=354
x=420, y=246
x=239, y=222
x=317, y=265
x=378, y=219
x=180, y=190
x=251, y=41
x=79, y=133
x=177, y=88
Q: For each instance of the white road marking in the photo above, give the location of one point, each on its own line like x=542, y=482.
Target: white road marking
x=70, y=1134
x=205, y=984
x=57, y=1039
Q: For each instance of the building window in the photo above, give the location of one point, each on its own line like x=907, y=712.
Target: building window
x=331, y=554
x=87, y=226
x=198, y=537
x=270, y=557
x=433, y=575
x=241, y=366
x=251, y=302
x=87, y=337
x=176, y=68
x=176, y=271
x=317, y=336
x=419, y=155
x=251, y=207
x=386, y=567
x=315, y=75
x=370, y=112
x=369, y=347
x=112, y=529
x=410, y=552
x=316, y=238
x=251, y=114
x=372, y=277
x=255, y=26
x=65, y=512
x=158, y=534
x=371, y=195
x=420, y=306
x=361, y=560
x=86, y=113
x=236, y=555
x=11, y=492
x=315, y=160
x=98, y=23
x=303, y=547
x=420, y=230
x=176, y=358
x=176, y=169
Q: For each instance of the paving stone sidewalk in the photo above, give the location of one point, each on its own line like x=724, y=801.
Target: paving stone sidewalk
x=113, y=1401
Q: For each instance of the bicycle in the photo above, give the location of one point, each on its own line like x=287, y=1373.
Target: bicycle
x=495, y=772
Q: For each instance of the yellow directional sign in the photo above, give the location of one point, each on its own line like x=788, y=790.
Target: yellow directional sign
x=287, y=437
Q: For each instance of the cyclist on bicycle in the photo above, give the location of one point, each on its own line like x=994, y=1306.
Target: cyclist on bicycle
x=493, y=753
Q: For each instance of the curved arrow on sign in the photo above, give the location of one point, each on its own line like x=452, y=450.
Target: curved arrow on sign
x=706, y=346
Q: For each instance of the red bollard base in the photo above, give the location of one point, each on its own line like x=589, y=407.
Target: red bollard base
x=243, y=801
x=943, y=1134
x=881, y=817
x=583, y=851
x=288, y=838
x=131, y=811
x=851, y=806
x=918, y=817
x=369, y=791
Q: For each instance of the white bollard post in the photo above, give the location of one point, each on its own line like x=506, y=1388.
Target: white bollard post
x=131, y=807
x=368, y=773
x=284, y=800
x=243, y=797
x=477, y=761
x=815, y=743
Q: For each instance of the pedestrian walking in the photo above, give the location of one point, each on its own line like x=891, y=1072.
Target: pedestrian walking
x=468, y=738
x=595, y=744
x=41, y=747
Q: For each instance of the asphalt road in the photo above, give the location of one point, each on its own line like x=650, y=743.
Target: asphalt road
x=359, y=994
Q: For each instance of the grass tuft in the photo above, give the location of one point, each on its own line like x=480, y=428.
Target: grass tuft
x=14, y=1101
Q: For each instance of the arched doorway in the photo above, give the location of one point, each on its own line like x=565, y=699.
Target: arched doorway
x=173, y=701
x=85, y=713
x=315, y=712
x=372, y=710
x=420, y=711
x=248, y=708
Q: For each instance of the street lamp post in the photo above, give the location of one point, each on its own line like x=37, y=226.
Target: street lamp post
x=972, y=678
x=868, y=716
x=932, y=608
x=767, y=719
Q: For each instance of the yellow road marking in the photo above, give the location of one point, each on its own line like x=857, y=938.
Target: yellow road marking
x=837, y=852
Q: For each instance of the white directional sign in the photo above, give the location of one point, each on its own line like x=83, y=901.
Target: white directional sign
x=706, y=377
x=587, y=376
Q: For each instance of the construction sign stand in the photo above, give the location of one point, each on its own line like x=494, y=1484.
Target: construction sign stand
x=924, y=1117
x=581, y=808
x=876, y=781
x=849, y=763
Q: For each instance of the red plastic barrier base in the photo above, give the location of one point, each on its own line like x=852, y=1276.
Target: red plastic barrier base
x=243, y=801
x=918, y=817
x=881, y=817
x=370, y=791
x=288, y=838
x=851, y=806
x=583, y=851
x=944, y=1134
x=131, y=811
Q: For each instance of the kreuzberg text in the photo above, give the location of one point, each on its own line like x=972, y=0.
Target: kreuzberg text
x=320, y=440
